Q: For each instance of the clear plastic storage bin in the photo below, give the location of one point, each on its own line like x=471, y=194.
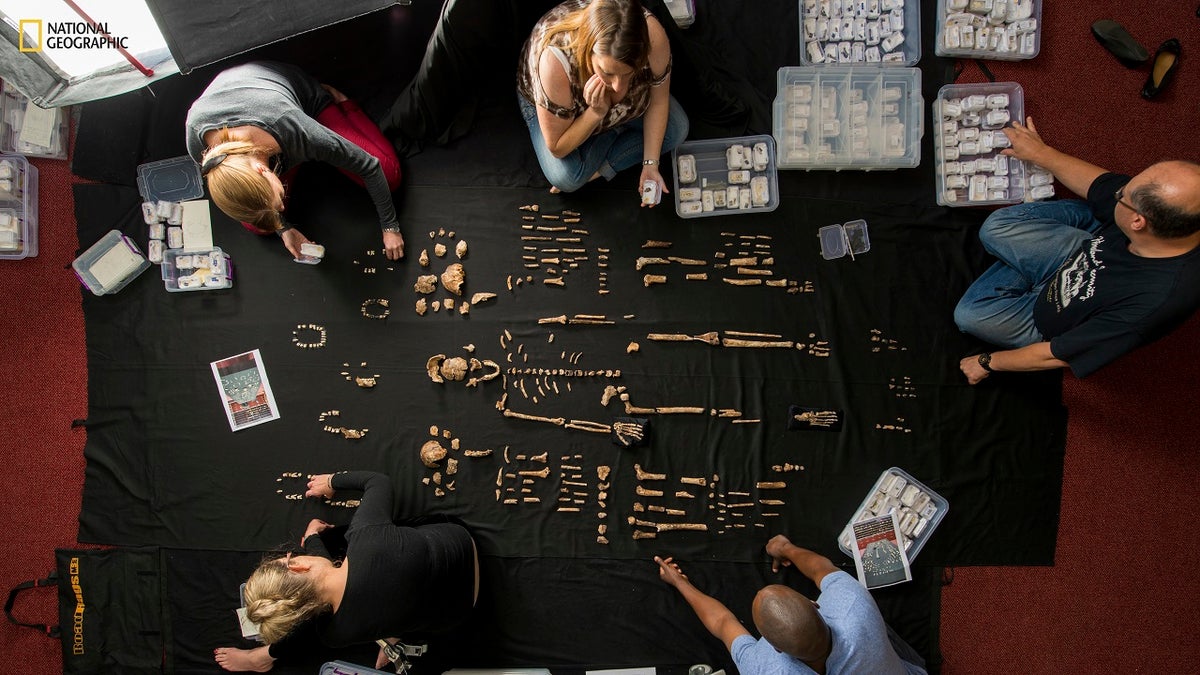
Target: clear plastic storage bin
x=968, y=166
x=1006, y=30
x=110, y=264
x=170, y=180
x=683, y=11
x=46, y=135
x=206, y=270
x=18, y=208
x=848, y=117
x=919, y=510
x=879, y=32
x=708, y=184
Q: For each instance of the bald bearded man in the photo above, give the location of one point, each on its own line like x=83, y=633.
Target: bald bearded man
x=841, y=632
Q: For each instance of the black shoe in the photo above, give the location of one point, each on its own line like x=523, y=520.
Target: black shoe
x=1165, y=60
x=1120, y=43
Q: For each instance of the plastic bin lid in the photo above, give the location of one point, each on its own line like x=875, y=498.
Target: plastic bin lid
x=173, y=180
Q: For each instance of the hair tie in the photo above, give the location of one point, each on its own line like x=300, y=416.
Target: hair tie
x=212, y=163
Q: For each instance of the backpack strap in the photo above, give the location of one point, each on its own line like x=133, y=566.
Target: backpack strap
x=51, y=580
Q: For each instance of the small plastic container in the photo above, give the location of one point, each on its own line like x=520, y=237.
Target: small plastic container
x=18, y=208
x=872, y=37
x=964, y=158
x=683, y=11
x=1011, y=29
x=110, y=264
x=170, y=180
x=202, y=270
x=14, y=106
x=899, y=491
x=848, y=117
x=838, y=240
x=754, y=186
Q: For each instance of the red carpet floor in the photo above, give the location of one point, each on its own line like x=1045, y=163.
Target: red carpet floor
x=1123, y=594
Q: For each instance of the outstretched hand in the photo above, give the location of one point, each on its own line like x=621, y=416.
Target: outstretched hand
x=320, y=485
x=393, y=245
x=293, y=239
x=669, y=571
x=1025, y=140
x=315, y=526
x=777, y=549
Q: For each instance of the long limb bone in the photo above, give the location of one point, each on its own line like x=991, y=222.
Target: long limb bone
x=643, y=492
x=646, y=475
x=557, y=421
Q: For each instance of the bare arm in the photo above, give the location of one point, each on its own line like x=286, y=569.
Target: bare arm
x=564, y=136
x=1036, y=356
x=715, y=616
x=1072, y=172
x=812, y=565
x=654, y=126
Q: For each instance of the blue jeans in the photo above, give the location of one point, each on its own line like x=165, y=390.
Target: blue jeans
x=607, y=152
x=1031, y=241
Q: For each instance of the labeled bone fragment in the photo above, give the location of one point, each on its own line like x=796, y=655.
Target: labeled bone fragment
x=554, y=281
x=668, y=337
x=477, y=453
x=532, y=500
x=684, y=494
x=557, y=421
x=643, y=492
x=554, y=319
x=771, y=502
x=568, y=509
x=742, y=282
x=669, y=527
x=639, y=534
x=646, y=475
x=688, y=480
x=680, y=410
x=729, y=412
x=540, y=458
x=656, y=244
x=742, y=262
x=426, y=284
x=642, y=262
x=432, y=453
x=541, y=473
x=766, y=344
x=652, y=279
x=768, y=485
x=699, y=276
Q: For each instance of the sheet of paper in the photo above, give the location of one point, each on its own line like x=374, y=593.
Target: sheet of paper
x=245, y=391
x=37, y=128
x=116, y=264
x=197, y=226
x=879, y=554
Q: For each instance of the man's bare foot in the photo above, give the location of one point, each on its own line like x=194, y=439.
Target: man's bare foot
x=256, y=660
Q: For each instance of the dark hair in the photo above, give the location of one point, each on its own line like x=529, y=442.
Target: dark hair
x=629, y=43
x=1166, y=220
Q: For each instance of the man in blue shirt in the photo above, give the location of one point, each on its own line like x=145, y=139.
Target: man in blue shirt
x=841, y=632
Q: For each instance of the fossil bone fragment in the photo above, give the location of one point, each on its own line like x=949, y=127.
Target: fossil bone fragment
x=602, y=471
x=562, y=319
x=540, y=458
x=554, y=281
x=421, y=306
x=433, y=367
x=698, y=276
x=541, y=473
x=432, y=453
x=365, y=382
x=687, y=480
x=669, y=527
x=557, y=421
x=460, y=249
x=646, y=475
x=477, y=453
x=424, y=259
x=771, y=502
x=481, y=297
x=651, y=243
x=765, y=344
x=652, y=279
x=738, y=333
x=454, y=369
x=769, y=485
x=742, y=262
x=585, y=425
x=754, y=272
x=448, y=303
x=426, y=284
x=639, y=534
x=439, y=249
x=642, y=262
x=680, y=410
x=684, y=494
x=742, y=282
x=643, y=492
x=453, y=278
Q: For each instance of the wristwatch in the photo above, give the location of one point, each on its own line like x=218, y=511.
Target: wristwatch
x=649, y=162
x=985, y=361
x=394, y=229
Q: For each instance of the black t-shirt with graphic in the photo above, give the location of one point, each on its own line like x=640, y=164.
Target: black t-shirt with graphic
x=1104, y=301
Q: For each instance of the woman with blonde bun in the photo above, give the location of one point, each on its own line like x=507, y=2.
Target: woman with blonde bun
x=256, y=122
x=395, y=580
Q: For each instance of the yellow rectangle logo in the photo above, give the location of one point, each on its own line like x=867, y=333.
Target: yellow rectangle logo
x=21, y=32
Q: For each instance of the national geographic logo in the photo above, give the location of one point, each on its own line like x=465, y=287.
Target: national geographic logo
x=77, y=617
x=68, y=35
